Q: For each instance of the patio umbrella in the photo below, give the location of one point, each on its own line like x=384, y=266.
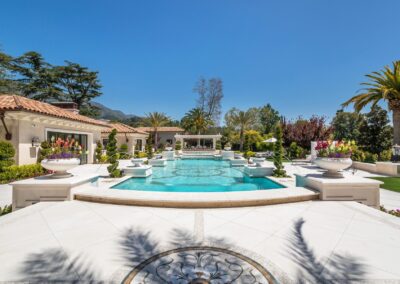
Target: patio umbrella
x=270, y=140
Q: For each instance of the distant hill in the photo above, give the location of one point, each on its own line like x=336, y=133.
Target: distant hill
x=112, y=114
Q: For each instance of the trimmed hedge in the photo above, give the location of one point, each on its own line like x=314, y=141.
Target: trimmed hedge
x=13, y=173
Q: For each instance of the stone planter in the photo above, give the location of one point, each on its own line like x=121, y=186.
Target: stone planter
x=333, y=166
x=137, y=162
x=60, y=166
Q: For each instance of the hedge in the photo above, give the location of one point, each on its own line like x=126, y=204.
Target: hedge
x=13, y=173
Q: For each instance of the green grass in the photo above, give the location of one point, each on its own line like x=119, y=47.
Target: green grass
x=390, y=183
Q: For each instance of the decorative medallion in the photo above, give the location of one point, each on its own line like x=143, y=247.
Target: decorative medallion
x=199, y=265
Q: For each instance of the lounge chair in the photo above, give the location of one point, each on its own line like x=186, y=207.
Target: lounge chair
x=307, y=160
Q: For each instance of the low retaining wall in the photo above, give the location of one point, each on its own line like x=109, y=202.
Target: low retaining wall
x=383, y=168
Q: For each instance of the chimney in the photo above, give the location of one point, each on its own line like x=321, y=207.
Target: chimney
x=69, y=106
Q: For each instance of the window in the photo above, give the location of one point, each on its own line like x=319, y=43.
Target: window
x=82, y=139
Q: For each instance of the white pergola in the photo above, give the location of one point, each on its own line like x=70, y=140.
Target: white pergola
x=198, y=137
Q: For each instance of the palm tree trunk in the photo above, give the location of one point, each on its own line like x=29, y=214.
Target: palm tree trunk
x=396, y=126
x=155, y=139
x=241, y=140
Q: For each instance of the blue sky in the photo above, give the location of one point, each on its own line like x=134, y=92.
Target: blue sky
x=303, y=56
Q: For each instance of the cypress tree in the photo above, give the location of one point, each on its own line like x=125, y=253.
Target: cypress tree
x=278, y=153
x=112, y=154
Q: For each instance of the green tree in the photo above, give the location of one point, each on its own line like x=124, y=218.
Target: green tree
x=7, y=82
x=99, y=151
x=375, y=131
x=156, y=120
x=79, y=84
x=7, y=153
x=35, y=77
x=44, y=151
x=149, y=147
x=112, y=154
x=382, y=85
x=346, y=125
x=268, y=117
x=123, y=151
x=210, y=96
x=196, y=121
x=278, y=153
x=241, y=121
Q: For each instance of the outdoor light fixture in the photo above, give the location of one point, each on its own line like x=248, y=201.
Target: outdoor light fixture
x=35, y=141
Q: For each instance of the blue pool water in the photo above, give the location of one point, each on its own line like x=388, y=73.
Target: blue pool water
x=197, y=176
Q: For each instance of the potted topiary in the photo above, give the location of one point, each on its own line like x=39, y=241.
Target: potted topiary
x=334, y=156
x=227, y=146
x=63, y=156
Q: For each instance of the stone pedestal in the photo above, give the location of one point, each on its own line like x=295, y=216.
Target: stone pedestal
x=168, y=155
x=227, y=155
x=142, y=171
x=262, y=171
x=45, y=188
x=348, y=188
x=158, y=162
x=238, y=162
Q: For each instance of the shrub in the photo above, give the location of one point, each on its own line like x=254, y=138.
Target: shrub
x=44, y=151
x=278, y=153
x=385, y=155
x=7, y=153
x=228, y=145
x=14, y=172
x=99, y=151
x=5, y=210
x=391, y=212
x=249, y=154
x=103, y=159
x=142, y=155
x=370, y=157
x=149, y=148
x=123, y=151
x=358, y=155
x=295, y=151
x=113, y=155
x=178, y=145
x=218, y=145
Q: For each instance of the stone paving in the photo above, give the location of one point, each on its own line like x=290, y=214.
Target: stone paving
x=316, y=241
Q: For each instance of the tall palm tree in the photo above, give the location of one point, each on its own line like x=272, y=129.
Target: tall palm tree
x=196, y=120
x=156, y=120
x=383, y=85
x=242, y=120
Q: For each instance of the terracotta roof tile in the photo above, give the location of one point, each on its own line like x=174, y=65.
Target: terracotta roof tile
x=19, y=103
x=162, y=129
x=122, y=128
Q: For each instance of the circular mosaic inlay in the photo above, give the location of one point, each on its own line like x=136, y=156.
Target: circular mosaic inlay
x=198, y=172
x=199, y=265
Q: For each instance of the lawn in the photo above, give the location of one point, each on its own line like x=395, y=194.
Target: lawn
x=390, y=183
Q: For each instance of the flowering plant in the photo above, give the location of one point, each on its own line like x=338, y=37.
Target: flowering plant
x=65, y=149
x=335, y=149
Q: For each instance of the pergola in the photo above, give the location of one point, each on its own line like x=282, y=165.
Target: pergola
x=198, y=138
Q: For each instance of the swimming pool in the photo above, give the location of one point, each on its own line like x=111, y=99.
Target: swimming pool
x=197, y=176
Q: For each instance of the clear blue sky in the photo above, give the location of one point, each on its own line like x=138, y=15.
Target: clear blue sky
x=302, y=56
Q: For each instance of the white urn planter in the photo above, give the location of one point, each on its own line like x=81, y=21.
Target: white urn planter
x=60, y=166
x=333, y=166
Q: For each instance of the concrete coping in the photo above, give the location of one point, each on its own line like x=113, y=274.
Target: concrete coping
x=46, y=180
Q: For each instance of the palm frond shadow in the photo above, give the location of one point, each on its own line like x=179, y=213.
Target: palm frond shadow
x=337, y=269
x=55, y=265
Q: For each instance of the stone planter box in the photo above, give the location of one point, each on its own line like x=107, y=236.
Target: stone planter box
x=238, y=162
x=258, y=171
x=60, y=166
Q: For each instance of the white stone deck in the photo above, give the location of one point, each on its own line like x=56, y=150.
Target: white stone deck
x=313, y=240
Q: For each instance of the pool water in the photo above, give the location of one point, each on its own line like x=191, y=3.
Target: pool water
x=197, y=176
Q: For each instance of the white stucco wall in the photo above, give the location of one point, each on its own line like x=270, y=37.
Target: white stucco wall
x=23, y=131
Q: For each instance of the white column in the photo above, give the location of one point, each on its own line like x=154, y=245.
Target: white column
x=214, y=142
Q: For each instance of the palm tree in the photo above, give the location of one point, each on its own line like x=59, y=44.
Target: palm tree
x=241, y=120
x=156, y=120
x=383, y=85
x=196, y=120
